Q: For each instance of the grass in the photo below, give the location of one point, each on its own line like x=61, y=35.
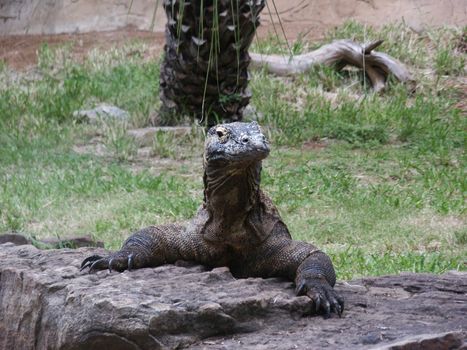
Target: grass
x=377, y=181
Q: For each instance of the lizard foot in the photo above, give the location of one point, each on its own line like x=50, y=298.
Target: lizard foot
x=117, y=262
x=325, y=298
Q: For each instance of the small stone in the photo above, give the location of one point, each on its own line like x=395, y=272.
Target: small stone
x=72, y=242
x=210, y=307
x=442, y=341
x=250, y=112
x=372, y=338
x=14, y=238
x=100, y=113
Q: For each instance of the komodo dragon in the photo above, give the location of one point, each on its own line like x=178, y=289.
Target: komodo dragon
x=236, y=226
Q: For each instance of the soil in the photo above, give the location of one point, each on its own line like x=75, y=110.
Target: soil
x=20, y=51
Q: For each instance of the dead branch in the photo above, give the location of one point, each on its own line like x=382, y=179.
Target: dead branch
x=377, y=65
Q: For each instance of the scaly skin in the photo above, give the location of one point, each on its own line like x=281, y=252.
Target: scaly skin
x=236, y=226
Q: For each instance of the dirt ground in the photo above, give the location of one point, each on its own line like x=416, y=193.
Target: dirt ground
x=20, y=51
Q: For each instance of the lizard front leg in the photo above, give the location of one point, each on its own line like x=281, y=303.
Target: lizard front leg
x=155, y=246
x=310, y=269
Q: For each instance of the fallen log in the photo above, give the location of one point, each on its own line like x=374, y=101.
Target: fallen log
x=377, y=65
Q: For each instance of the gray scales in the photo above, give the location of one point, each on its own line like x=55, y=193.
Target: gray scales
x=237, y=226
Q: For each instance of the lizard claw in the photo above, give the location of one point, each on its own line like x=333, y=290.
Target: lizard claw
x=337, y=305
x=100, y=264
x=316, y=300
x=89, y=261
x=327, y=309
x=110, y=265
x=130, y=262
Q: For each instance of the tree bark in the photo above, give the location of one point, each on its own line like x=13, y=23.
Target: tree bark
x=204, y=73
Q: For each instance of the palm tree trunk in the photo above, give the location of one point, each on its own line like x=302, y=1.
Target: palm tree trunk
x=204, y=72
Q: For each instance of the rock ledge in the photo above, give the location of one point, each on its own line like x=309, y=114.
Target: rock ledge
x=46, y=303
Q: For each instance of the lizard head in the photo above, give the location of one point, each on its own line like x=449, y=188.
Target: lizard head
x=235, y=144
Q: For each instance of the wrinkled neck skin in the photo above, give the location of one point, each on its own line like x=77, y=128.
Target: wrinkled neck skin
x=231, y=192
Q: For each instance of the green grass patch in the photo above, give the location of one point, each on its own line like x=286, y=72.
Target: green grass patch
x=377, y=181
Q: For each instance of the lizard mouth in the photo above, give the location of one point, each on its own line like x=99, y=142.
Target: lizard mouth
x=254, y=154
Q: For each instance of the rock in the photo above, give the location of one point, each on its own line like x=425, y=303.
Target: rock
x=251, y=113
x=14, y=238
x=450, y=340
x=145, y=136
x=72, y=242
x=46, y=303
x=100, y=113
x=55, y=243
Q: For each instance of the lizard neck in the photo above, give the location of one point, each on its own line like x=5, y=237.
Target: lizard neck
x=230, y=193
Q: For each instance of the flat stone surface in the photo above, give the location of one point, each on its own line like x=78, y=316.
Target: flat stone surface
x=15, y=238
x=101, y=113
x=52, y=242
x=71, y=242
x=46, y=303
